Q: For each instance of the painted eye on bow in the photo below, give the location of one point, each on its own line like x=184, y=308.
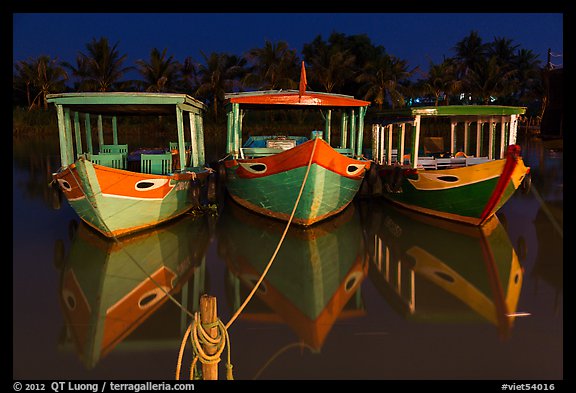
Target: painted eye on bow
x=64, y=184
x=353, y=169
x=448, y=178
x=257, y=168
x=149, y=184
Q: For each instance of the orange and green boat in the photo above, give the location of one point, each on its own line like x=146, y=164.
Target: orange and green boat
x=264, y=173
x=449, y=175
x=117, y=189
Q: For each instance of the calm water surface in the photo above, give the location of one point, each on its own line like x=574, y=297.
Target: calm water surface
x=374, y=293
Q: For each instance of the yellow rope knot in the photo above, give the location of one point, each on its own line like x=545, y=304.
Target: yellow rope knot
x=199, y=337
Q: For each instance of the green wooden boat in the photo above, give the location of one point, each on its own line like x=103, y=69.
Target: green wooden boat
x=445, y=173
x=264, y=173
x=119, y=189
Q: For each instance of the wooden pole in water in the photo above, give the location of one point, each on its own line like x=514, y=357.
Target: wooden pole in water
x=208, y=315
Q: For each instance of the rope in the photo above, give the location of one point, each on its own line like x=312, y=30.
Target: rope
x=198, y=354
x=199, y=336
x=280, y=352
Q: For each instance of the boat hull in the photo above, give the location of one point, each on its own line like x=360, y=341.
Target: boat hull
x=270, y=185
x=117, y=202
x=469, y=194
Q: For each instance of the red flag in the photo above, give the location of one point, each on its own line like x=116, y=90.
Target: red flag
x=303, y=81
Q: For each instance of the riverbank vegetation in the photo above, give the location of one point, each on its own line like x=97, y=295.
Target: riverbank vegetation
x=476, y=72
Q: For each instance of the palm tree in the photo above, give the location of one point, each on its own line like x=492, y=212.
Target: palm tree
x=102, y=68
x=23, y=79
x=219, y=75
x=469, y=52
x=490, y=79
x=529, y=75
x=188, y=75
x=382, y=80
x=275, y=66
x=358, y=46
x=442, y=79
x=160, y=73
x=332, y=67
x=40, y=76
x=503, y=49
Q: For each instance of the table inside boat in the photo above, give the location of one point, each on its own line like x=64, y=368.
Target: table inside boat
x=133, y=158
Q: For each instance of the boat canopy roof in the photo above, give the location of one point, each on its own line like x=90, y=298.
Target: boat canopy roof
x=126, y=103
x=293, y=98
x=472, y=111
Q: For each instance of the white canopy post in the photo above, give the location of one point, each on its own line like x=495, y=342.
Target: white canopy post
x=452, y=137
x=513, y=129
x=229, y=131
x=502, y=137
x=389, y=127
x=466, y=137
x=375, y=143
x=401, y=140
x=193, y=140
x=491, y=131
x=382, y=133
x=200, y=138
x=478, y=138
x=415, y=140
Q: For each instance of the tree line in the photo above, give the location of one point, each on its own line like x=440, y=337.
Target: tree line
x=478, y=72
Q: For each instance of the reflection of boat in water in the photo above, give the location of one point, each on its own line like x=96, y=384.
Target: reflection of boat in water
x=432, y=270
x=108, y=288
x=314, y=279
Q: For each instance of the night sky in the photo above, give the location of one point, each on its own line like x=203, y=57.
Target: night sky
x=414, y=37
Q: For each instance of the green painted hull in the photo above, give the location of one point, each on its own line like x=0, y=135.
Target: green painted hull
x=325, y=193
x=467, y=201
x=119, y=215
x=469, y=194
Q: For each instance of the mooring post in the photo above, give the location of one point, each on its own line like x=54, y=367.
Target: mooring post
x=208, y=316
